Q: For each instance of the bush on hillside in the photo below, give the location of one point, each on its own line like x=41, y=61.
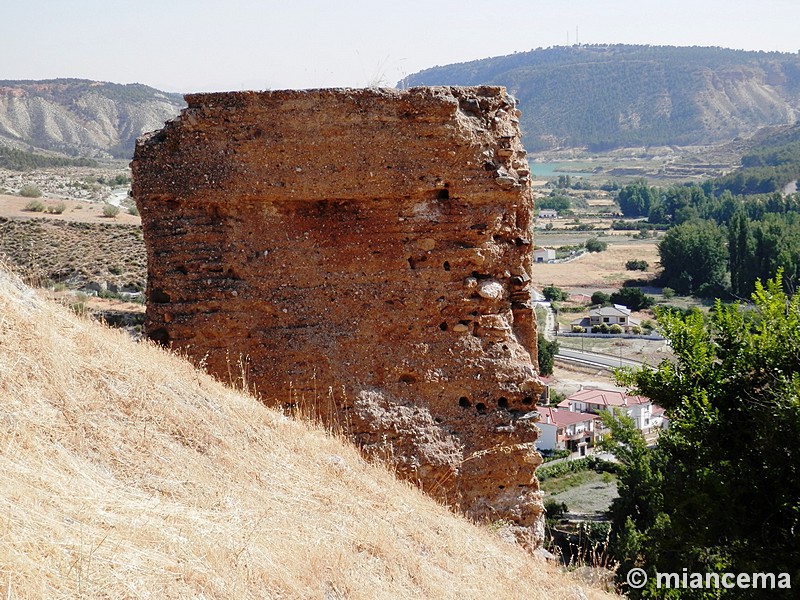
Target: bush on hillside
x=637, y=265
x=595, y=245
x=30, y=191
x=34, y=206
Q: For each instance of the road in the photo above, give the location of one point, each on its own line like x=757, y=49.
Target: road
x=605, y=361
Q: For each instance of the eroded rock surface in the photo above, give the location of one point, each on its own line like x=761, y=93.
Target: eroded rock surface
x=368, y=252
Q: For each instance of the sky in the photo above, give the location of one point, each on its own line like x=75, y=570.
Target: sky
x=205, y=45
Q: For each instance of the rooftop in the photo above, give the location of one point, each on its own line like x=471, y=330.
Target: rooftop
x=562, y=418
x=606, y=398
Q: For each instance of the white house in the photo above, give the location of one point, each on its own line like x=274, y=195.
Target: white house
x=563, y=429
x=617, y=314
x=646, y=415
x=548, y=213
x=544, y=255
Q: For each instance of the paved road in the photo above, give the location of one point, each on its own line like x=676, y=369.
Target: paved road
x=606, y=361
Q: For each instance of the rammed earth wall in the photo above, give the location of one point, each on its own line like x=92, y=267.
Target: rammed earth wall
x=366, y=254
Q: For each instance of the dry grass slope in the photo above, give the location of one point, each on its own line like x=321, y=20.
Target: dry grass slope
x=126, y=473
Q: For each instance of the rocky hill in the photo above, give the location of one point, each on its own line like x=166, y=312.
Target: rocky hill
x=607, y=96
x=84, y=118
x=127, y=473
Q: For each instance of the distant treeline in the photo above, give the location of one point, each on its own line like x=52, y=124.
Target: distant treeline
x=719, y=244
x=20, y=160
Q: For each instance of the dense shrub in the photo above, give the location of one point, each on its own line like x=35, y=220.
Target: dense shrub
x=34, y=206
x=110, y=211
x=592, y=463
x=637, y=265
x=633, y=298
x=30, y=191
x=600, y=298
x=553, y=293
x=595, y=245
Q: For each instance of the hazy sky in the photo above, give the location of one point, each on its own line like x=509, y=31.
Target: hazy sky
x=204, y=45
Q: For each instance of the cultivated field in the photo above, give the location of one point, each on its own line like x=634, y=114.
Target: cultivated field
x=596, y=270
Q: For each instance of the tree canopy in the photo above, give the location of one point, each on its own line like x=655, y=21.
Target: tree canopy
x=694, y=257
x=721, y=491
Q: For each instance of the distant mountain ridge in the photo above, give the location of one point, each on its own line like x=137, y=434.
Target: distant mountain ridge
x=606, y=96
x=78, y=117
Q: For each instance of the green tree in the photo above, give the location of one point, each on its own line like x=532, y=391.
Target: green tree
x=595, y=245
x=721, y=491
x=741, y=260
x=554, y=294
x=632, y=297
x=547, y=351
x=693, y=254
x=600, y=298
x=636, y=199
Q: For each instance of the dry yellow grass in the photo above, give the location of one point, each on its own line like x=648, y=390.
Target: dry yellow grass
x=126, y=473
x=598, y=270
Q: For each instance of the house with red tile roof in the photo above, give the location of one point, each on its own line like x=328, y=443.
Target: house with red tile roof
x=638, y=408
x=563, y=429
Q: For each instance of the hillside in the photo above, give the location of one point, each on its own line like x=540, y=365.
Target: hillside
x=127, y=473
x=611, y=96
x=82, y=118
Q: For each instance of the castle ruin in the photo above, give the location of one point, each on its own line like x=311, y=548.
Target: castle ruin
x=364, y=254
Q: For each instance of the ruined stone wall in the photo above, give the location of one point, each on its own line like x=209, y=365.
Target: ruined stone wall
x=368, y=252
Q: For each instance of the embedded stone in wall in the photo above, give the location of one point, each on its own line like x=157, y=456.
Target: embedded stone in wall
x=364, y=254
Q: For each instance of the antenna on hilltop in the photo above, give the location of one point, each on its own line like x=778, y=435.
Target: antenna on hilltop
x=577, y=41
x=567, y=37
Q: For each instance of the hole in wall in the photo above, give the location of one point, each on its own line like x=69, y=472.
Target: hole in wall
x=480, y=407
x=446, y=266
x=502, y=402
x=159, y=296
x=463, y=402
x=443, y=325
x=527, y=400
x=407, y=378
x=443, y=194
x=160, y=336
